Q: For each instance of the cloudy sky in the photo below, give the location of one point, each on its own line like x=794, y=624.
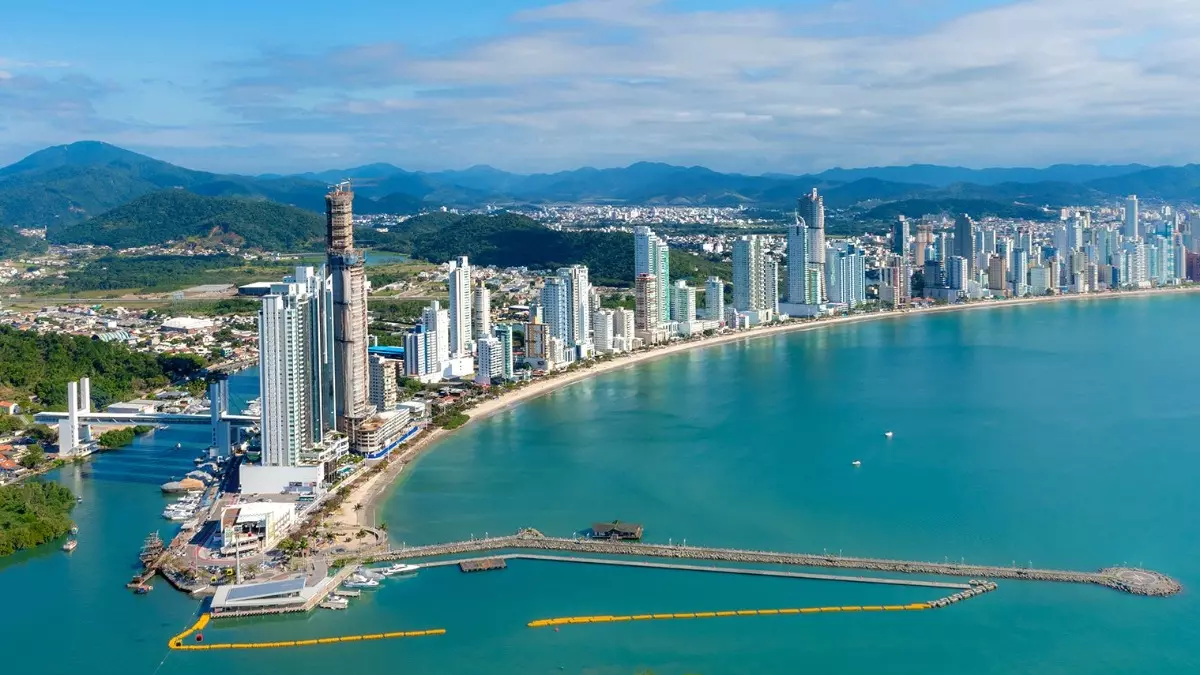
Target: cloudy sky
x=532, y=85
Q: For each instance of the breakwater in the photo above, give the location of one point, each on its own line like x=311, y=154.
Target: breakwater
x=176, y=643
x=1129, y=580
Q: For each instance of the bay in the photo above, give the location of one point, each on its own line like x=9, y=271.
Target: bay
x=1060, y=435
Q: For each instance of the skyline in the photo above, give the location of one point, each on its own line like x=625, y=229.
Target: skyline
x=735, y=85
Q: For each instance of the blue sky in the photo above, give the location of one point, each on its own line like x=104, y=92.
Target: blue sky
x=532, y=85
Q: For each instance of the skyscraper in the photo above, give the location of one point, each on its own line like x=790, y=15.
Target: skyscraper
x=320, y=345
x=771, y=284
x=460, y=307
x=489, y=363
x=647, y=313
x=964, y=242
x=602, y=327
x=437, y=321
x=1132, y=227
x=285, y=375
x=798, y=291
x=845, y=274
x=420, y=353
x=957, y=272
x=714, y=299
x=749, y=274
x=383, y=381
x=811, y=209
x=577, y=338
x=900, y=236
x=481, y=311
x=652, y=256
x=351, y=380
x=997, y=273
x=556, y=308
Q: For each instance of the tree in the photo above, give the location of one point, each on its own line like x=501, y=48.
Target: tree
x=33, y=457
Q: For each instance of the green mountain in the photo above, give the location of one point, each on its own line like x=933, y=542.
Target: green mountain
x=12, y=243
x=510, y=240
x=175, y=215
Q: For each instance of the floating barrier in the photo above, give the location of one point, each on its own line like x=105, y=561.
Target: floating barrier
x=177, y=643
x=561, y=621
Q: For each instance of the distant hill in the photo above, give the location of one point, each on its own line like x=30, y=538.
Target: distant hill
x=68, y=184
x=978, y=208
x=510, y=240
x=942, y=176
x=1164, y=182
x=174, y=215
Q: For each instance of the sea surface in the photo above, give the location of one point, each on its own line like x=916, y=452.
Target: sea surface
x=1059, y=435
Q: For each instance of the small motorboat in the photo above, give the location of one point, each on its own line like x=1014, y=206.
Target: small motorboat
x=70, y=545
x=359, y=581
x=336, y=602
x=179, y=446
x=888, y=434
x=398, y=570
x=142, y=589
x=856, y=463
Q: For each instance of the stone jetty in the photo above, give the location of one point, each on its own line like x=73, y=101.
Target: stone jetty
x=1129, y=580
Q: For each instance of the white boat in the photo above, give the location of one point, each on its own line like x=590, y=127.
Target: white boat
x=335, y=602
x=856, y=463
x=398, y=570
x=361, y=582
x=888, y=434
x=178, y=446
x=70, y=545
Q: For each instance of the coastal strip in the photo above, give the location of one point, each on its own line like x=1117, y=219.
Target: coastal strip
x=1129, y=580
x=374, y=490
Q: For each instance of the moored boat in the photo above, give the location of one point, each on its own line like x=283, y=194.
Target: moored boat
x=70, y=545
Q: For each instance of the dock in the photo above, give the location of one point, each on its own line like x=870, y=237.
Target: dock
x=1126, y=579
x=482, y=564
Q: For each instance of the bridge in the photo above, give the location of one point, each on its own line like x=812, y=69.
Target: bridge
x=74, y=425
x=1129, y=580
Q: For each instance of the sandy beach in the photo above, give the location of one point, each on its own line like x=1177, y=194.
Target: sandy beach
x=373, y=490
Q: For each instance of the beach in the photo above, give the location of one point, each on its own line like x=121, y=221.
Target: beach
x=372, y=491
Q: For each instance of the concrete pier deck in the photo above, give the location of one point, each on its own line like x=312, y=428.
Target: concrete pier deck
x=1129, y=580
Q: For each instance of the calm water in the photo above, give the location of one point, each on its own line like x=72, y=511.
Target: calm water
x=1058, y=435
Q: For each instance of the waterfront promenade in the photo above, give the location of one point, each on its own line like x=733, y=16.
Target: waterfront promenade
x=373, y=491
x=1129, y=580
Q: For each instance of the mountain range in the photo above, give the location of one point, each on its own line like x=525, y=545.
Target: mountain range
x=64, y=186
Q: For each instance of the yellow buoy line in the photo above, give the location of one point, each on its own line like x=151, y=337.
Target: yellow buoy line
x=977, y=588
x=176, y=642
x=541, y=623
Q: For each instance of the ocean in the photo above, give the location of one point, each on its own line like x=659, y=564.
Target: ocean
x=1057, y=435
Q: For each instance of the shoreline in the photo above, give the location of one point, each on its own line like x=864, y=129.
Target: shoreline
x=375, y=489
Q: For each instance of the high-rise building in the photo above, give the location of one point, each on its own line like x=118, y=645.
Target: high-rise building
x=651, y=256
x=771, y=284
x=624, y=323
x=964, y=242
x=320, y=345
x=593, y=300
x=1039, y=280
x=811, y=209
x=383, y=381
x=577, y=338
x=900, y=236
x=351, y=379
x=1132, y=227
x=504, y=333
x=845, y=274
x=683, y=301
x=925, y=239
x=556, y=307
x=997, y=273
x=798, y=290
x=647, y=313
x=749, y=262
x=537, y=338
x=437, y=321
x=481, y=311
x=489, y=362
x=957, y=272
x=1020, y=272
x=714, y=299
x=285, y=375
x=460, y=307
x=602, y=330
x=420, y=353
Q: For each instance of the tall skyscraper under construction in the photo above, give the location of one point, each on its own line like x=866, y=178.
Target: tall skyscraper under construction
x=352, y=387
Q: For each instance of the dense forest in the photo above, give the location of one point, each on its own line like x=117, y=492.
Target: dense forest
x=43, y=364
x=32, y=514
x=510, y=240
x=13, y=243
x=178, y=215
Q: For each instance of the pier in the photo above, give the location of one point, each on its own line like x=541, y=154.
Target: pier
x=1129, y=580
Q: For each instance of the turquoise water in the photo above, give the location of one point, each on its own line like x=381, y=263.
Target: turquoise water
x=1059, y=435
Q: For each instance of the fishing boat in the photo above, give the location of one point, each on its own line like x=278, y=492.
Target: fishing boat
x=70, y=545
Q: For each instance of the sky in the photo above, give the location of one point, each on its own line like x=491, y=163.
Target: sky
x=752, y=86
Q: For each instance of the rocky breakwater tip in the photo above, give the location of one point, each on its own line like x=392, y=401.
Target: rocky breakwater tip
x=1140, y=582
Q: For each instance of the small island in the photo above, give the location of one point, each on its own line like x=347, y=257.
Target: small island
x=32, y=514
x=119, y=438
